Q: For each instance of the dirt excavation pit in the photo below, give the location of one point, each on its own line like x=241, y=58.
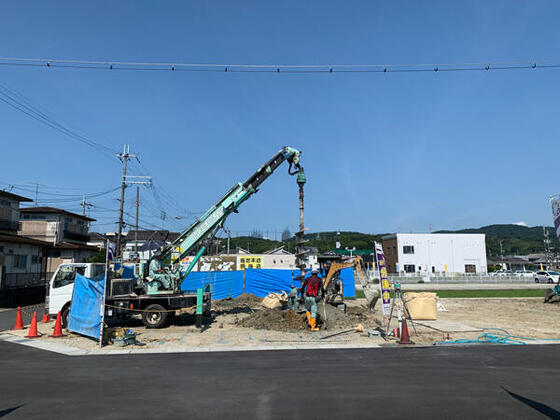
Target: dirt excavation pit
x=329, y=318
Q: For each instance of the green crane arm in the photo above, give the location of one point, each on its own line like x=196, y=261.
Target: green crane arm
x=215, y=216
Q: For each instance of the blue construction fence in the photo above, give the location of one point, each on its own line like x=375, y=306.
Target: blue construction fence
x=259, y=282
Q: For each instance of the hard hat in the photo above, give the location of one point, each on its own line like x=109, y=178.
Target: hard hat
x=314, y=271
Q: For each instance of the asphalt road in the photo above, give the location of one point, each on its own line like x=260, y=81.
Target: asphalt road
x=8, y=315
x=468, y=382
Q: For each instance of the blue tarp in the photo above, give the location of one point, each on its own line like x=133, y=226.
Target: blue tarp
x=87, y=303
x=223, y=284
x=127, y=271
x=261, y=282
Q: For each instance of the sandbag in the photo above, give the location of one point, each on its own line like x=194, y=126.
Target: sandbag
x=422, y=306
x=275, y=300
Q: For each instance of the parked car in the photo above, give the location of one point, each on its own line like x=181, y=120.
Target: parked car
x=547, y=277
x=521, y=273
x=502, y=273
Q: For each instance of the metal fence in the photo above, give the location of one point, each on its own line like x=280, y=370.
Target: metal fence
x=461, y=279
x=24, y=280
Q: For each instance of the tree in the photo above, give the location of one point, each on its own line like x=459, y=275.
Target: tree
x=98, y=257
x=286, y=235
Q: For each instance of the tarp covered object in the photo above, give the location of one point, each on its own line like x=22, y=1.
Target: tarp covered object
x=87, y=303
x=223, y=284
x=261, y=282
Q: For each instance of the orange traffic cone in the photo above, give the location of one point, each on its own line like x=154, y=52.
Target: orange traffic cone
x=405, y=335
x=46, y=318
x=19, y=320
x=57, y=332
x=33, y=333
x=396, y=332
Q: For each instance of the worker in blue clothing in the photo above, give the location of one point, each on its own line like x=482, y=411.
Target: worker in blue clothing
x=312, y=291
x=293, y=302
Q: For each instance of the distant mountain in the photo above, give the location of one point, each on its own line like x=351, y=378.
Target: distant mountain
x=517, y=239
x=323, y=241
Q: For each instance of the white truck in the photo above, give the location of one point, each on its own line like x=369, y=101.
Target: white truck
x=61, y=286
x=156, y=310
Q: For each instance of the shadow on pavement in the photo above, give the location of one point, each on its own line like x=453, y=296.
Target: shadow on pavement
x=540, y=407
x=9, y=410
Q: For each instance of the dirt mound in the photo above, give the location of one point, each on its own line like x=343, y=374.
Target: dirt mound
x=246, y=300
x=329, y=317
x=275, y=320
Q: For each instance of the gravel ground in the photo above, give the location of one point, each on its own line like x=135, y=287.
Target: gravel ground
x=245, y=323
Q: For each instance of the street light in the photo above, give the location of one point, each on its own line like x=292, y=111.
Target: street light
x=351, y=250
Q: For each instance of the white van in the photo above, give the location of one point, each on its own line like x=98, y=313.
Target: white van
x=61, y=286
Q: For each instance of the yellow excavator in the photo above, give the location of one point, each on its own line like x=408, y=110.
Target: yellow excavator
x=332, y=284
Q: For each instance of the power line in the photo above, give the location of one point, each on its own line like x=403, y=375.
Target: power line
x=21, y=103
x=276, y=68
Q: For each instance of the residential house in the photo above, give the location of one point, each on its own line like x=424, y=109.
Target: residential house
x=66, y=233
x=147, y=241
x=21, y=258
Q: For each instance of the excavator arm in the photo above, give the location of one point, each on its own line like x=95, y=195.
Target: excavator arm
x=216, y=215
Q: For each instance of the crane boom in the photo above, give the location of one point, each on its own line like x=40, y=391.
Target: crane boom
x=215, y=216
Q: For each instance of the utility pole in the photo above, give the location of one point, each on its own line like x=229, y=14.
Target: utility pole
x=136, y=231
x=123, y=157
x=84, y=205
x=36, y=194
x=138, y=180
x=502, y=253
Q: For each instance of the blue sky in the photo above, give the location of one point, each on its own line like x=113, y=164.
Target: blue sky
x=382, y=152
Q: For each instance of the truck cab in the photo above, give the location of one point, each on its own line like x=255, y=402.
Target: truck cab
x=61, y=286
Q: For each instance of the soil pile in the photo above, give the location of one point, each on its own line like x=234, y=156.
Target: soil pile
x=242, y=303
x=275, y=320
x=329, y=317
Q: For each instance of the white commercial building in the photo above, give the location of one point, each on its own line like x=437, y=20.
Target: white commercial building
x=435, y=253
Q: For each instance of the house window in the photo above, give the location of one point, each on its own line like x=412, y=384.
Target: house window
x=409, y=268
x=20, y=261
x=433, y=269
x=35, y=259
x=408, y=249
x=470, y=268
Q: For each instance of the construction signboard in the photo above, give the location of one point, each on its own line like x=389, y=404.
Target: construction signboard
x=383, y=279
x=555, y=201
x=249, y=261
x=217, y=263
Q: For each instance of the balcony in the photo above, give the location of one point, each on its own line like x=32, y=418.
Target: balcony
x=73, y=236
x=10, y=225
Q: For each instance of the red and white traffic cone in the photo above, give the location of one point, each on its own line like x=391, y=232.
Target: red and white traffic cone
x=19, y=320
x=33, y=333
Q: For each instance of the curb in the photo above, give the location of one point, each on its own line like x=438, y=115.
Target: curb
x=73, y=351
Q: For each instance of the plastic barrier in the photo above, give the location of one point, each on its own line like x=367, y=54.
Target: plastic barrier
x=85, y=313
x=261, y=282
x=223, y=284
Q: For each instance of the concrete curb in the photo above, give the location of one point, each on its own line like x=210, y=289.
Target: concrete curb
x=73, y=351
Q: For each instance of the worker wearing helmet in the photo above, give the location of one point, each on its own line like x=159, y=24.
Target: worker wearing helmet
x=312, y=290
